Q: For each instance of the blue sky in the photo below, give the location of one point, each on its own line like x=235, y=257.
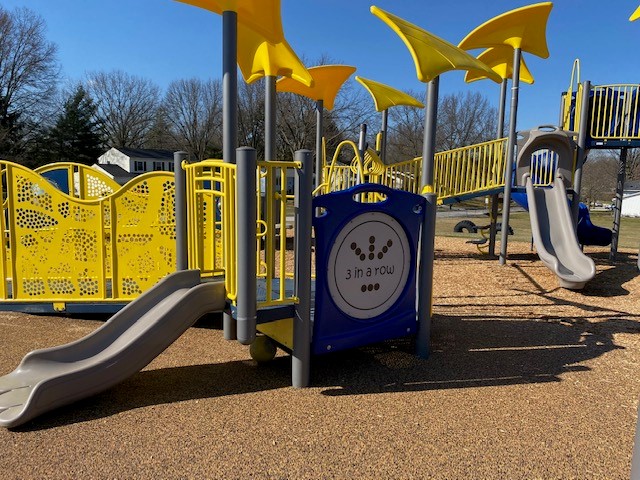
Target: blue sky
x=165, y=40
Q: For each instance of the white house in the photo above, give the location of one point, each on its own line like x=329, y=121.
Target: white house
x=631, y=199
x=138, y=160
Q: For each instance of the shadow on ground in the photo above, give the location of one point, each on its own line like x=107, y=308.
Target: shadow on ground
x=466, y=352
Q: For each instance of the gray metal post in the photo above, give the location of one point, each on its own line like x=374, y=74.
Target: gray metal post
x=617, y=206
x=229, y=114
x=428, y=231
x=429, y=143
x=510, y=154
x=635, y=459
x=246, y=245
x=180, y=202
x=319, y=135
x=383, y=136
x=270, y=117
x=301, y=358
x=493, y=229
x=582, y=150
x=362, y=147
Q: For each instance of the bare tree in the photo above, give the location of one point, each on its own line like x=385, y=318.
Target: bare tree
x=194, y=109
x=28, y=76
x=251, y=116
x=599, y=177
x=126, y=104
x=463, y=119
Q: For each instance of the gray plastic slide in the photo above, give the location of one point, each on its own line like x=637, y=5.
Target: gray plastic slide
x=554, y=236
x=52, y=377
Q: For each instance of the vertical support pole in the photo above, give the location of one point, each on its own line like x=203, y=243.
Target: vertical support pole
x=301, y=359
x=582, y=151
x=428, y=231
x=180, y=205
x=229, y=114
x=383, y=139
x=319, y=135
x=635, y=459
x=270, y=117
x=246, y=250
x=493, y=229
x=362, y=147
x=617, y=206
x=511, y=147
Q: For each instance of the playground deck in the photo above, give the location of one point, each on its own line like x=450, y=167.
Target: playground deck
x=526, y=380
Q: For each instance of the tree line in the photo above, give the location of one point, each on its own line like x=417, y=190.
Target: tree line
x=42, y=122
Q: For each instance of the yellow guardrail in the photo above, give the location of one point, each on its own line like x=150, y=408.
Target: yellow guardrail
x=83, y=181
x=274, y=239
x=58, y=248
x=614, y=112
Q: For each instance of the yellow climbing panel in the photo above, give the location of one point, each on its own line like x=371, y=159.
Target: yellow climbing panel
x=84, y=182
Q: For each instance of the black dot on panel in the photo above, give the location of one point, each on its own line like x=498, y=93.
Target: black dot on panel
x=370, y=287
x=389, y=243
x=358, y=251
x=372, y=248
x=354, y=246
x=371, y=256
x=363, y=257
x=372, y=239
x=385, y=249
x=380, y=255
x=363, y=288
x=376, y=286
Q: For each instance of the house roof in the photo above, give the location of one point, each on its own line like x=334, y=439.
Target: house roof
x=146, y=153
x=115, y=170
x=633, y=185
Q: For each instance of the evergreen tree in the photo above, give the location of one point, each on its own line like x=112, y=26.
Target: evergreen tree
x=75, y=137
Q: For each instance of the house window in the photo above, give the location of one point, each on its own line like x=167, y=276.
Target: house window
x=139, y=167
x=157, y=166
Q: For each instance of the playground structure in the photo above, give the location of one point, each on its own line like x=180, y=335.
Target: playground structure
x=231, y=240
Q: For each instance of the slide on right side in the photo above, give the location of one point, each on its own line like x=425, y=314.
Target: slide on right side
x=52, y=377
x=554, y=235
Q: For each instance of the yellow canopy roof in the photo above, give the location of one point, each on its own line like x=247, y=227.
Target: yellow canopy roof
x=500, y=60
x=635, y=15
x=261, y=15
x=258, y=58
x=385, y=96
x=327, y=81
x=523, y=28
x=431, y=55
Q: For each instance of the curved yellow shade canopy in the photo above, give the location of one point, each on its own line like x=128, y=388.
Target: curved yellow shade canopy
x=259, y=58
x=261, y=15
x=385, y=96
x=500, y=60
x=431, y=55
x=327, y=81
x=524, y=28
x=635, y=15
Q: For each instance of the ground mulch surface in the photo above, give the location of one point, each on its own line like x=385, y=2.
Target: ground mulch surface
x=525, y=380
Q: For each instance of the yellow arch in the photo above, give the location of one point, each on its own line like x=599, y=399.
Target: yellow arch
x=385, y=96
x=327, y=81
x=500, y=60
x=263, y=16
x=524, y=28
x=635, y=15
x=431, y=54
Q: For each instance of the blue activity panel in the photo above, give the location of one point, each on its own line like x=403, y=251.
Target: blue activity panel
x=366, y=257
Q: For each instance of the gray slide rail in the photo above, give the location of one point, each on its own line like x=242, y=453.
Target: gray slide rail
x=50, y=378
x=554, y=235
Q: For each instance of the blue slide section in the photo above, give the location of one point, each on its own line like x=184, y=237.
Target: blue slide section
x=588, y=233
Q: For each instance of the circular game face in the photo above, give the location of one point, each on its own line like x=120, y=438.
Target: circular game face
x=369, y=265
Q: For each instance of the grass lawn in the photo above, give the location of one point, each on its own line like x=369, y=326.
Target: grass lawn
x=519, y=221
